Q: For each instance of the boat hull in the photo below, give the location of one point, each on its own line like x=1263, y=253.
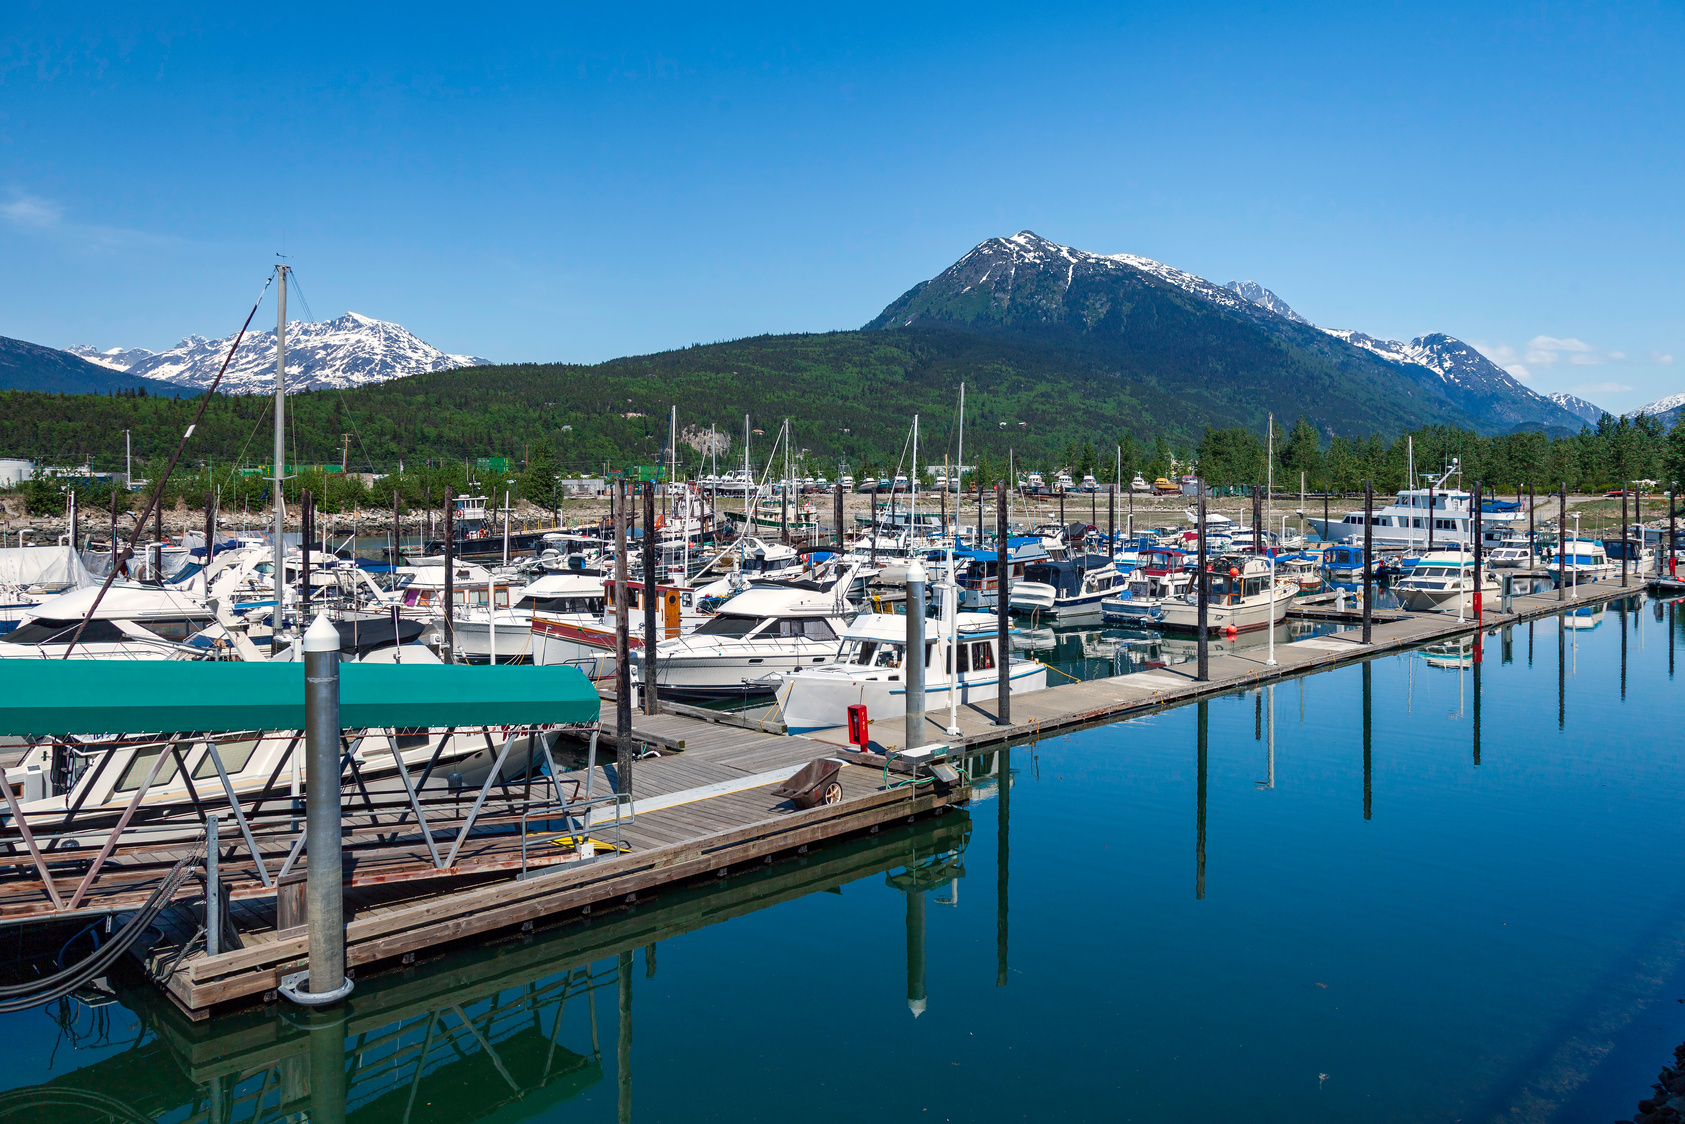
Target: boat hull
x=820, y=702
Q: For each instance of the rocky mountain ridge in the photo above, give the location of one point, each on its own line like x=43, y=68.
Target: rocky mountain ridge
x=351, y=350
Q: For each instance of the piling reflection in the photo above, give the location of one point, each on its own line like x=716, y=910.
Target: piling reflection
x=1368, y=732
x=504, y=1031
x=1203, y=723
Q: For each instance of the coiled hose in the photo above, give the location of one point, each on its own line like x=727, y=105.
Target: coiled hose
x=34, y=993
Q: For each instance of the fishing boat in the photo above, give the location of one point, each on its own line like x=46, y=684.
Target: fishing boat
x=960, y=667
x=1343, y=563
x=1161, y=574
x=1140, y=486
x=1304, y=570
x=1244, y=595
x=1443, y=580
x=568, y=633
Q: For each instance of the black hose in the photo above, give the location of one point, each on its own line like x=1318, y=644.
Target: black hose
x=21, y=997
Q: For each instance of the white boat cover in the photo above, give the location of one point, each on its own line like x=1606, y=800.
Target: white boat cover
x=28, y=566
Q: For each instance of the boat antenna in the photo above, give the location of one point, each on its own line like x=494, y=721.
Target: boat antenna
x=158, y=491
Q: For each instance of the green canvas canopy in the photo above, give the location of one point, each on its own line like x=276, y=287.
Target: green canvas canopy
x=41, y=697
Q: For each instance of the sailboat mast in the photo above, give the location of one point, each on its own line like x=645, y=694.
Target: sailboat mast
x=278, y=577
x=959, y=469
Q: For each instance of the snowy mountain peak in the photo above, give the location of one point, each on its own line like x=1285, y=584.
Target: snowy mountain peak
x=1263, y=298
x=1579, y=407
x=351, y=350
x=1665, y=410
x=116, y=358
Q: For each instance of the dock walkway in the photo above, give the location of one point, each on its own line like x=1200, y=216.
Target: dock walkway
x=696, y=813
x=1072, y=705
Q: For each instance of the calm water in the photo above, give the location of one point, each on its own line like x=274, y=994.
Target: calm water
x=1475, y=907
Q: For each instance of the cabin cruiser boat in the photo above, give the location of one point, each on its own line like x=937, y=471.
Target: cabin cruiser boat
x=1343, y=563
x=1089, y=484
x=1304, y=570
x=1509, y=552
x=1409, y=523
x=568, y=633
x=133, y=622
x=1140, y=486
x=1443, y=580
x=1244, y=595
x=1063, y=482
x=762, y=631
x=1583, y=560
x=1064, y=592
x=504, y=630
x=1161, y=574
x=868, y=669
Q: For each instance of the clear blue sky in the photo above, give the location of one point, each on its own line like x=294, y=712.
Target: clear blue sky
x=579, y=184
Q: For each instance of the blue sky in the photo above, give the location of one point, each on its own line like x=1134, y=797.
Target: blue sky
x=580, y=183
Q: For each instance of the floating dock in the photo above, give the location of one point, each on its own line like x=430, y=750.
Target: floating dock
x=699, y=813
x=1070, y=706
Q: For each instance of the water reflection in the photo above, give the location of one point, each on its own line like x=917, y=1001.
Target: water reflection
x=504, y=1031
x=1096, y=653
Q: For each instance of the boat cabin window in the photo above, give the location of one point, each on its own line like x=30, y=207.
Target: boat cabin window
x=234, y=757
x=814, y=628
x=858, y=651
x=590, y=605
x=982, y=656
x=176, y=628
x=43, y=631
x=141, y=765
x=728, y=625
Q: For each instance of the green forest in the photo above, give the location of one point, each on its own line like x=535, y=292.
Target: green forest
x=850, y=398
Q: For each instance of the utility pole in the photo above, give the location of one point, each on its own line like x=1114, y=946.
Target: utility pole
x=344, y=452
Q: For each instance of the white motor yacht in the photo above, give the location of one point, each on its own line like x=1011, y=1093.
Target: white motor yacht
x=1581, y=561
x=868, y=669
x=1417, y=517
x=762, y=631
x=1444, y=580
x=1063, y=592
x=133, y=622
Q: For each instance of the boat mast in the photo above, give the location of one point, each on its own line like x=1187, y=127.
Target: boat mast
x=279, y=575
x=959, y=483
x=913, y=509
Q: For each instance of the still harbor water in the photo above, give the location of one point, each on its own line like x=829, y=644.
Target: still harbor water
x=1425, y=889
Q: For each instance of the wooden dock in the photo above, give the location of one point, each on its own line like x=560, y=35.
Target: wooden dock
x=1090, y=702
x=696, y=813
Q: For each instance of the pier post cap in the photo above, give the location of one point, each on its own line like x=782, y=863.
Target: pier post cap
x=322, y=636
x=915, y=571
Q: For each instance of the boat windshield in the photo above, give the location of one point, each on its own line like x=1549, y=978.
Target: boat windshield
x=729, y=625
x=42, y=631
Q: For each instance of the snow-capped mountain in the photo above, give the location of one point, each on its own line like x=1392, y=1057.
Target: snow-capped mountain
x=1262, y=297
x=116, y=358
x=1666, y=410
x=1027, y=278
x=353, y=350
x=1577, y=406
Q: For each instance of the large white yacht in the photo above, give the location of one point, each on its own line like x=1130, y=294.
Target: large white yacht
x=1444, y=516
x=504, y=630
